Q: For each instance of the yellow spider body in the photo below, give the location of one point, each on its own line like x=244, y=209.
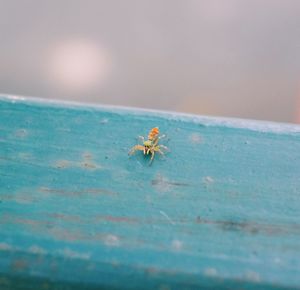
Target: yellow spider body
x=150, y=146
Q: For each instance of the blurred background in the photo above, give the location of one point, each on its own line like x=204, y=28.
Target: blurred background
x=237, y=58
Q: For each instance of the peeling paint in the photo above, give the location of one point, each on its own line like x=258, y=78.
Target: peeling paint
x=62, y=164
x=88, y=162
x=89, y=165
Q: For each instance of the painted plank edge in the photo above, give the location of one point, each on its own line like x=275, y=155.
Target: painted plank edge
x=221, y=210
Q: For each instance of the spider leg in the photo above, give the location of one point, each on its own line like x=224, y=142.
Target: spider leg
x=164, y=148
x=136, y=148
x=141, y=138
x=159, y=151
x=152, y=156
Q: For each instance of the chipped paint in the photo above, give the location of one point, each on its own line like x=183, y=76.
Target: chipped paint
x=5, y=247
x=34, y=249
x=86, y=191
x=208, y=180
x=21, y=133
x=117, y=219
x=252, y=276
x=163, y=184
x=62, y=164
x=210, y=272
x=87, y=162
x=196, y=138
x=112, y=240
x=19, y=265
x=69, y=253
x=176, y=245
x=20, y=198
x=104, y=121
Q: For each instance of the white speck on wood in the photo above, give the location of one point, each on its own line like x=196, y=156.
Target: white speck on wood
x=176, y=245
x=112, y=240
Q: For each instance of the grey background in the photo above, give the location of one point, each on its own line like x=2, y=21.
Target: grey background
x=237, y=58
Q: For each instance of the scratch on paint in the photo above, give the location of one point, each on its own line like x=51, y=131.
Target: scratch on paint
x=163, y=184
x=167, y=217
x=251, y=227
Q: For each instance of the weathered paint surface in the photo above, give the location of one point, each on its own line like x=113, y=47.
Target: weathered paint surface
x=221, y=210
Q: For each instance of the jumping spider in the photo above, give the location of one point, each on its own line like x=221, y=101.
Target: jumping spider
x=150, y=146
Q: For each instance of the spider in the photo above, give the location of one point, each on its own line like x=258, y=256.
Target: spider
x=150, y=146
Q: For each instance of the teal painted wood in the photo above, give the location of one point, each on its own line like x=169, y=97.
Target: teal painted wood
x=221, y=210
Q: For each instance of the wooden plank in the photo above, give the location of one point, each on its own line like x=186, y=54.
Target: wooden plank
x=221, y=210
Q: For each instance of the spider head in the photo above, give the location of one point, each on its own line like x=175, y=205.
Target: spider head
x=147, y=146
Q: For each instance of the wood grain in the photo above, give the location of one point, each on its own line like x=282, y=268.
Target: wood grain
x=221, y=210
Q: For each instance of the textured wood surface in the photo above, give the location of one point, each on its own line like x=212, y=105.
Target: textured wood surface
x=221, y=210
